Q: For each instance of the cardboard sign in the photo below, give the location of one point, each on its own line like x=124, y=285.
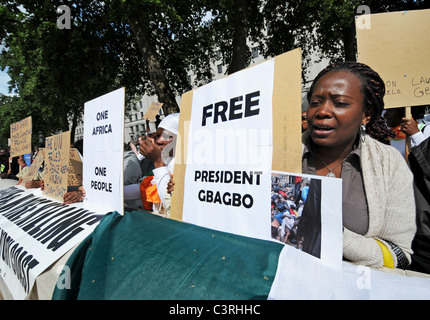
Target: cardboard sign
x=75, y=168
x=153, y=110
x=396, y=46
x=103, y=168
x=20, y=137
x=35, y=166
x=229, y=130
x=56, y=172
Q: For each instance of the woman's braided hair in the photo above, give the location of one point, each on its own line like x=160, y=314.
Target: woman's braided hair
x=373, y=89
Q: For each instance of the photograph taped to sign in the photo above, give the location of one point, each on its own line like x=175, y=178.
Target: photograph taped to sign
x=306, y=214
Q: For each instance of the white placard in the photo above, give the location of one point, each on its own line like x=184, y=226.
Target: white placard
x=103, y=166
x=227, y=179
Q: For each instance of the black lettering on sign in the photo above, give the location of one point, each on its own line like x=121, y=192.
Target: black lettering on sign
x=48, y=222
x=236, y=108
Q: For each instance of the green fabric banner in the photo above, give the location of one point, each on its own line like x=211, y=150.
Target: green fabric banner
x=143, y=256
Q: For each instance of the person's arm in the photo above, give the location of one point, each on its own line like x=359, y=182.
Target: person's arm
x=392, y=220
x=162, y=177
x=132, y=192
x=410, y=127
x=161, y=172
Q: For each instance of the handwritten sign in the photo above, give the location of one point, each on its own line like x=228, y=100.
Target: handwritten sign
x=75, y=168
x=20, y=137
x=396, y=46
x=56, y=173
x=35, y=166
x=153, y=110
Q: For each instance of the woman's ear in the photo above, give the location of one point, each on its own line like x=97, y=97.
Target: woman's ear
x=366, y=118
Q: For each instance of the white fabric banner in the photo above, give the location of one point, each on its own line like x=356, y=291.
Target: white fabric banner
x=35, y=231
x=103, y=168
x=301, y=276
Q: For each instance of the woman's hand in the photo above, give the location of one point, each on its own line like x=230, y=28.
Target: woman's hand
x=170, y=185
x=151, y=150
x=409, y=126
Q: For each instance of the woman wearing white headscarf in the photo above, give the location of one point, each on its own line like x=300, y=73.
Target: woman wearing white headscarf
x=160, y=148
x=161, y=151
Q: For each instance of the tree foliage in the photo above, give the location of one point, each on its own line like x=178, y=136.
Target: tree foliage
x=151, y=46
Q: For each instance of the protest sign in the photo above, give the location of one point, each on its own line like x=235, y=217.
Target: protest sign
x=56, y=171
x=75, y=168
x=20, y=137
x=36, y=231
x=153, y=110
x=103, y=168
x=396, y=46
x=35, y=166
x=229, y=130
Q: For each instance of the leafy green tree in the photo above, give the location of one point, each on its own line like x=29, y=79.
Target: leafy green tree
x=325, y=25
x=55, y=71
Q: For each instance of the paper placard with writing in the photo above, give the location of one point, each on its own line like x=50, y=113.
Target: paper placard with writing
x=35, y=231
x=233, y=132
x=56, y=172
x=396, y=45
x=103, y=168
x=20, y=137
x=34, y=168
x=153, y=110
x=75, y=168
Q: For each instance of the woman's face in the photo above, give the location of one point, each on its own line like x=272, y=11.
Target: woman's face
x=336, y=110
x=163, y=137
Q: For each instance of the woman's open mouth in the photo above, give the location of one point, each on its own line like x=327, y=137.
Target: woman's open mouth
x=322, y=129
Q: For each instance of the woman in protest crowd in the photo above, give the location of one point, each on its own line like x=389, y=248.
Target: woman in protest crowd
x=378, y=206
x=160, y=149
x=416, y=128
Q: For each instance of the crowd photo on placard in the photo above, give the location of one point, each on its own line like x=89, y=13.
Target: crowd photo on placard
x=289, y=224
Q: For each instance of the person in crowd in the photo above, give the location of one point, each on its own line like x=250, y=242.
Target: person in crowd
x=136, y=168
x=146, y=165
x=305, y=105
x=346, y=139
x=132, y=170
x=416, y=128
x=74, y=193
x=24, y=167
x=11, y=169
x=419, y=162
x=160, y=149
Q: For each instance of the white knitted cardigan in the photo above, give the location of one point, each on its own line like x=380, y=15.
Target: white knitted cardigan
x=388, y=184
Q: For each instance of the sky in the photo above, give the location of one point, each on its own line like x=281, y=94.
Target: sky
x=4, y=78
